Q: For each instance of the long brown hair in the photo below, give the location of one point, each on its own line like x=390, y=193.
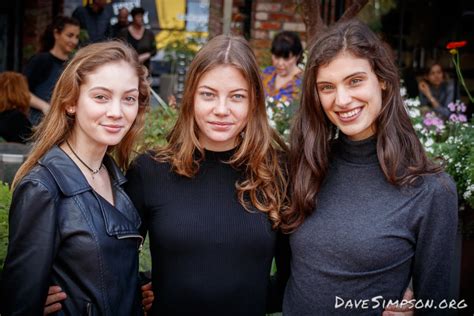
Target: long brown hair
x=14, y=92
x=57, y=126
x=258, y=150
x=400, y=153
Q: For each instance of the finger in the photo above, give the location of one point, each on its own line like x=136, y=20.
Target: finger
x=52, y=309
x=148, y=301
x=148, y=294
x=387, y=313
x=408, y=294
x=146, y=287
x=55, y=298
x=398, y=308
x=147, y=307
x=54, y=289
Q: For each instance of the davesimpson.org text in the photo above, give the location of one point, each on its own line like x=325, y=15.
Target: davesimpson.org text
x=380, y=302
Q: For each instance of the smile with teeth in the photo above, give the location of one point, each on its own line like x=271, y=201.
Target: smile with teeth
x=350, y=113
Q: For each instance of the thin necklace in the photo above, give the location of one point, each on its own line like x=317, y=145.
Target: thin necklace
x=94, y=171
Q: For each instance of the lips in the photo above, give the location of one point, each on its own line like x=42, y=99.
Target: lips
x=220, y=126
x=113, y=128
x=347, y=116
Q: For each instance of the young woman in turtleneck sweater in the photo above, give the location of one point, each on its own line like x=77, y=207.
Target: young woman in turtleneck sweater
x=369, y=210
x=210, y=199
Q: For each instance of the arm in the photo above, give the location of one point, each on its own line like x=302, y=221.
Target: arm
x=435, y=247
x=33, y=242
x=424, y=88
x=151, y=43
x=279, y=279
x=39, y=104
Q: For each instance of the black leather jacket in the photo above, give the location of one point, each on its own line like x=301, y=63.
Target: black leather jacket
x=62, y=232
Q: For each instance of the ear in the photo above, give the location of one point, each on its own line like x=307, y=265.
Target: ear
x=56, y=34
x=383, y=85
x=71, y=109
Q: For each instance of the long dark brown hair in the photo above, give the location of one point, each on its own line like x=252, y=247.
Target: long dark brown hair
x=57, y=126
x=259, y=150
x=400, y=153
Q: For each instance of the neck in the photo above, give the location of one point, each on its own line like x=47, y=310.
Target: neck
x=58, y=53
x=358, y=152
x=136, y=26
x=90, y=155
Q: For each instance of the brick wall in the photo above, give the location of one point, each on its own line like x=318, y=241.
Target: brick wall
x=38, y=14
x=269, y=18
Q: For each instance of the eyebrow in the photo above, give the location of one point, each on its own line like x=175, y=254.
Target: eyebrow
x=347, y=77
x=235, y=90
x=107, y=89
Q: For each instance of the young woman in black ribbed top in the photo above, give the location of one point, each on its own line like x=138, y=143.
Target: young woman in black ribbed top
x=210, y=199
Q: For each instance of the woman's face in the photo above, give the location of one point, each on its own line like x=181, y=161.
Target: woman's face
x=68, y=39
x=435, y=76
x=138, y=19
x=221, y=106
x=284, y=66
x=107, y=105
x=350, y=94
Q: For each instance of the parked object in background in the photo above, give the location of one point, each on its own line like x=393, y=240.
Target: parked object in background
x=12, y=156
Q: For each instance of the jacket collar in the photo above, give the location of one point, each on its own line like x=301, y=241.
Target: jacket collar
x=69, y=177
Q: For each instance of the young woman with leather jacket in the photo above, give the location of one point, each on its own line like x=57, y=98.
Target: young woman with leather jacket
x=70, y=220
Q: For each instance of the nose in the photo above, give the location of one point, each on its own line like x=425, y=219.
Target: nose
x=114, y=109
x=343, y=97
x=221, y=107
x=279, y=62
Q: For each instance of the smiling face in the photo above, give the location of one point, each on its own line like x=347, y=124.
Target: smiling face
x=350, y=94
x=221, y=106
x=107, y=105
x=67, y=39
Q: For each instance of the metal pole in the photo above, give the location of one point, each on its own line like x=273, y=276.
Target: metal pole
x=227, y=17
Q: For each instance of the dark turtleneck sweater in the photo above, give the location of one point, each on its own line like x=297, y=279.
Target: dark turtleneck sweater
x=367, y=238
x=209, y=255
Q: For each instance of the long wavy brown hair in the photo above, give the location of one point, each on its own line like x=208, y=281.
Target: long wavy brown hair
x=400, y=153
x=259, y=150
x=57, y=126
x=14, y=92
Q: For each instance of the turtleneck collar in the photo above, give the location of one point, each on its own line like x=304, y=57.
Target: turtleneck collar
x=210, y=155
x=362, y=152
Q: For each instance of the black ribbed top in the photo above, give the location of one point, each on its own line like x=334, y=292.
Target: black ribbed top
x=357, y=152
x=209, y=255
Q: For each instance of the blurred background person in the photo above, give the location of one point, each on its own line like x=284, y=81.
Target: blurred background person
x=14, y=105
x=142, y=39
x=122, y=23
x=282, y=80
x=58, y=41
x=437, y=91
x=94, y=18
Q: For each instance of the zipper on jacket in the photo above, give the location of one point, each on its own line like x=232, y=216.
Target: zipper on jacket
x=134, y=236
x=89, y=309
